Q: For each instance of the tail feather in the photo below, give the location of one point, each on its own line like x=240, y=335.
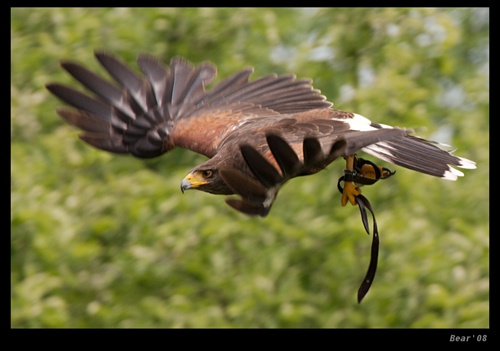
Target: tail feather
x=420, y=155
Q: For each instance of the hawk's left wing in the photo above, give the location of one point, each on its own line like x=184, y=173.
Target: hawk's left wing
x=258, y=194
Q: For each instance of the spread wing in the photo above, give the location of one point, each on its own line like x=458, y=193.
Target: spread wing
x=305, y=143
x=282, y=161
x=168, y=106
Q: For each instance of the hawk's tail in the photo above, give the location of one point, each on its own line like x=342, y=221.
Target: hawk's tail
x=420, y=155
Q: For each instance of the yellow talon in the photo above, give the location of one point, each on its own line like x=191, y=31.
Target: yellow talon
x=359, y=172
x=349, y=194
x=350, y=190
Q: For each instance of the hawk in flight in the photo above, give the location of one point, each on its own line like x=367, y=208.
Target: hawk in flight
x=257, y=134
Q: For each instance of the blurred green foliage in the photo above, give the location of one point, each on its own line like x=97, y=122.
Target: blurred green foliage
x=99, y=240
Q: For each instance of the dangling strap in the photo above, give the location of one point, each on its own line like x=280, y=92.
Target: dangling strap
x=364, y=204
x=366, y=173
x=372, y=267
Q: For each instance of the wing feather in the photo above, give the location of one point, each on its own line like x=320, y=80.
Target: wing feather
x=169, y=106
x=289, y=146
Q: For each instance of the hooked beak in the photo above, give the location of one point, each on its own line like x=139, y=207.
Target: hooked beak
x=192, y=181
x=185, y=185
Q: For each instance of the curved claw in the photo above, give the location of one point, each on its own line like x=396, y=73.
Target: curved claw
x=349, y=194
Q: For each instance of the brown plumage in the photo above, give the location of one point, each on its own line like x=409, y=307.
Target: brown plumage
x=257, y=134
x=278, y=118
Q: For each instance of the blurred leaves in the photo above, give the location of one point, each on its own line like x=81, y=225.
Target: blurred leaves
x=99, y=240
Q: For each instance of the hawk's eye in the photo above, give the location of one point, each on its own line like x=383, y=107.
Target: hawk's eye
x=207, y=173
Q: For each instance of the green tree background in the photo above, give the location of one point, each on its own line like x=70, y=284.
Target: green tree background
x=99, y=240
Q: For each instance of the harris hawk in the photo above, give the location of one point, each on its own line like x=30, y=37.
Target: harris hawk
x=257, y=134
